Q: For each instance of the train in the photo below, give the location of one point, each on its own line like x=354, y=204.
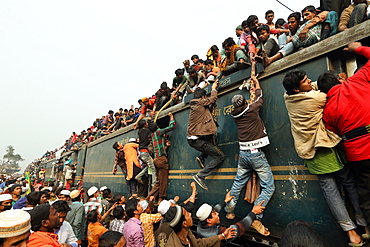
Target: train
x=297, y=195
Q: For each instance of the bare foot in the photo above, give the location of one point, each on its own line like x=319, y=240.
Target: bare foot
x=193, y=186
x=176, y=198
x=354, y=237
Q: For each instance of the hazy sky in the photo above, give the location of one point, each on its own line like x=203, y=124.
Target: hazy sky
x=64, y=63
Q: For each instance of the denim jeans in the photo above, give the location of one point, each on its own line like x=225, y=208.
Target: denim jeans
x=204, y=145
x=329, y=187
x=148, y=160
x=249, y=162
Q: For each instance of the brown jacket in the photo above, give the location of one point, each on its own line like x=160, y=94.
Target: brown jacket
x=174, y=241
x=201, y=122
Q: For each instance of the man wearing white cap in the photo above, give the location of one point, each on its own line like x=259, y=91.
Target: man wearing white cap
x=148, y=219
x=15, y=228
x=94, y=202
x=5, y=202
x=64, y=195
x=209, y=219
x=180, y=221
x=76, y=217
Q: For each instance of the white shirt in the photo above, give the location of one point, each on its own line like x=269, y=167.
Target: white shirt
x=66, y=234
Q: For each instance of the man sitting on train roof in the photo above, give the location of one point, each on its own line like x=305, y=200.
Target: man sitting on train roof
x=235, y=58
x=192, y=81
x=162, y=96
x=354, y=14
x=209, y=224
x=269, y=43
x=316, y=27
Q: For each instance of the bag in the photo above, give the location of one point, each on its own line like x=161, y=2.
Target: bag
x=253, y=188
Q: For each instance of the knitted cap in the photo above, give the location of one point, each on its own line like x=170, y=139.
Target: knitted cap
x=204, y=211
x=14, y=223
x=238, y=100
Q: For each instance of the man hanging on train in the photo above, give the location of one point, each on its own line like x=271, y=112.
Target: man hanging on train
x=347, y=113
x=317, y=146
x=201, y=131
x=252, y=137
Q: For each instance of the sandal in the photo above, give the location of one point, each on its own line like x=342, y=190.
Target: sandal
x=260, y=228
x=230, y=216
x=357, y=245
x=366, y=237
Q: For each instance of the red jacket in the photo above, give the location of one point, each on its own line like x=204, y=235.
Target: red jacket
x=348, y=107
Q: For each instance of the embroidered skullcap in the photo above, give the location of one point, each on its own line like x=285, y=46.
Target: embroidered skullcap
x=74, y=194
x=238, y=100
x=173, y=215
x=144, y=204
x=5, y=197
x=103, y=188
x=239, y=28
x=204, y=211
x=14, y=223
x=92, y=191
x=65, y=192
x=163, y=207
x=145, y=99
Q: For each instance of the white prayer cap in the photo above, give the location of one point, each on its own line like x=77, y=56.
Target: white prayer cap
x=163, y=207
x=92, y=191
x=144, y=204
x=103, y=188
x=204, y=211
x=65, y=192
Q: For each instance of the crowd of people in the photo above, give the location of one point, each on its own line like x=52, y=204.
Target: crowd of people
x=39, y=212
x=254, y=42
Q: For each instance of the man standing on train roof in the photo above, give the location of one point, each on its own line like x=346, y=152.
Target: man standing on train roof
x=201, y=131
x=252, y=137
x=347, y=113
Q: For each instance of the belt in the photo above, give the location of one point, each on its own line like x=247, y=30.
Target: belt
x=360, y=131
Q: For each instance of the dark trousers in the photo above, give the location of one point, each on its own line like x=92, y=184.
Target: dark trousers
x=204, y=145
x=362, y=173
x=132, y=183
x=160, y=186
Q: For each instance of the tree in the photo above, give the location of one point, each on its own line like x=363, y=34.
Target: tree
x=10, y=159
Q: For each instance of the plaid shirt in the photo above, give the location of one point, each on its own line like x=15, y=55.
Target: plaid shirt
x=147, y=221
x=158, y=139
x=117, y=225
x=313, y=36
